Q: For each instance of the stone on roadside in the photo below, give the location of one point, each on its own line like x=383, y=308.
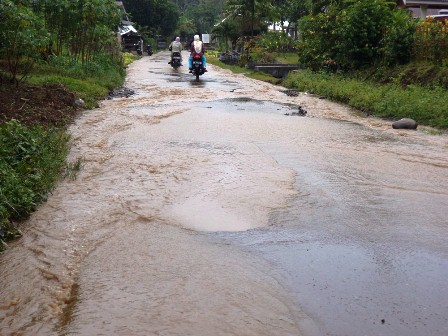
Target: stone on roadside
x=79, y=102
x=405, y=123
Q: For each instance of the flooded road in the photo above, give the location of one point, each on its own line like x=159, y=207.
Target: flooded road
x=206, y=208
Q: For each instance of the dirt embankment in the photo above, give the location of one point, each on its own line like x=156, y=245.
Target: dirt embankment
x=51, y=105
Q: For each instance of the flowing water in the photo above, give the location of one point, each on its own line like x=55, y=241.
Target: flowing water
x=206, y=208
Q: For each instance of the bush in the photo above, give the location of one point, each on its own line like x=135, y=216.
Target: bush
x=431, y=42
x=398, y=41
x=30, y=162
x=277, y=42
x=356, y=34
x=317, y=42
x=360, y=30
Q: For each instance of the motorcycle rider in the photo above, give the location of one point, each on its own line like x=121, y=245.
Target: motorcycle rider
x=197, y=47
x=176, y=46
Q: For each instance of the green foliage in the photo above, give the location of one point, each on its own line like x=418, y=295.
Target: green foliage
x=262, y=57
x=22, y=35
x=228, y=31
x=91, y=81
x=185, y=28
x=34, y=30
x=286, y=57
x=318, y=36
x=431, y=42
x=264, y=77
x=277, y=41
x=247, y=72
x=233, y=68
x=250, y=16
x=203, y=15
x=425, y=105
x=159, y=17
x=79, y=27
x=360, y=32
x=425, y=74
x=356, y=34
x=398, y=41
x=289, y=10
x=30, y=162
x=319, y=6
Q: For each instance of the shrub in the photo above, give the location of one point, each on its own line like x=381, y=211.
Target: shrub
x=398, y=41
x=30, y=163
x=431, y=42
x=276, y=41
x=356, y=34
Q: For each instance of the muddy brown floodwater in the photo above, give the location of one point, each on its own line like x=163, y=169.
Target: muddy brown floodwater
x=203, y=208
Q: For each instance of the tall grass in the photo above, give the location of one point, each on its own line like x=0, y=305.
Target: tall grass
x=91, y=81
x=31, y=160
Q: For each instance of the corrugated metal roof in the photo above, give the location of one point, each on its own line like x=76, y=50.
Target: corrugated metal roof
x=126, y=29
x=428, y=3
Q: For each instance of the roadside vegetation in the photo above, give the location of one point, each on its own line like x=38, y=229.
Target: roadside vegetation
x=52, y=53
x=368, y=54
x=428, y=106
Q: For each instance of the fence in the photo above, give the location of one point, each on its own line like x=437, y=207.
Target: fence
x=431, y=41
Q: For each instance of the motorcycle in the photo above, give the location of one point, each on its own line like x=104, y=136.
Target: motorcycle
x=198, y=67
x=138, y=48
x=175, y=60
x=149, y=49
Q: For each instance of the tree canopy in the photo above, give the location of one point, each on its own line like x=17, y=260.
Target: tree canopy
x=159, y=17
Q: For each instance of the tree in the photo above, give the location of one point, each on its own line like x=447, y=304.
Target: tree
x=22, y=36
x=354, y=34
x=32, y=30
x=320, y=6
x=290, y=11
x=160, y=17
x=252, y=16
x=185, y=28
x=204, y=14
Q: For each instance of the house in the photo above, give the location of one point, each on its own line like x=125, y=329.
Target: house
x=125, y=26
x=127, y=35
x=423, y=8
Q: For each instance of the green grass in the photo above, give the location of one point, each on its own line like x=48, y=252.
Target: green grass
x=265, y=77
x=91, y=82
x=287, y=58
x=31, y=160
x=427, y=106
x=234, y=68
x=89, y=90
x=247, y=72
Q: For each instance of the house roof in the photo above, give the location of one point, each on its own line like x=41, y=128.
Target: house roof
x=439, y=4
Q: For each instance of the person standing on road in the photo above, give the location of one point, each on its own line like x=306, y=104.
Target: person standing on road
x=176, y=46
